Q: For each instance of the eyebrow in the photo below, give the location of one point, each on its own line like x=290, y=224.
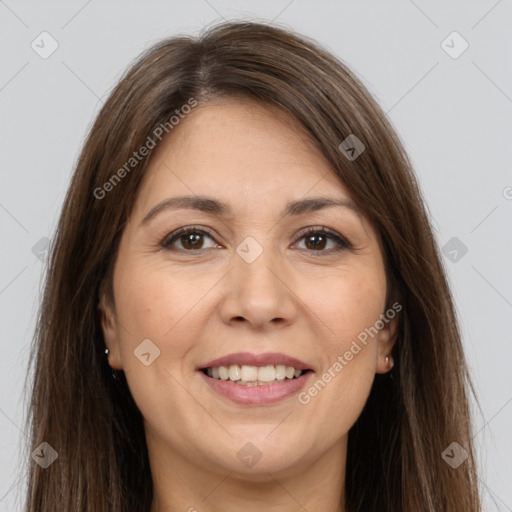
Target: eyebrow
x=216, y=207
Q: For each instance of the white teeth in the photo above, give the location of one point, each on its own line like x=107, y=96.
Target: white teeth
x=234, y=372
x=267, y=373
x=280, y=371
x=247, y=375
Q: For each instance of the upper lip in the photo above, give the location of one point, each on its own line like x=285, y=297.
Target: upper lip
x=249, y=359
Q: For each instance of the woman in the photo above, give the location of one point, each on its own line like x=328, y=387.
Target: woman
x=245, y=306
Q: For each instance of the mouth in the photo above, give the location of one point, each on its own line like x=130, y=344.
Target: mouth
x=252, y=379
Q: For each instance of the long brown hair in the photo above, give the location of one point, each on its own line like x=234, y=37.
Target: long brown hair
x=395, y=448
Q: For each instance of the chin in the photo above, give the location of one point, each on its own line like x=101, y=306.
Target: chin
x=253, y=455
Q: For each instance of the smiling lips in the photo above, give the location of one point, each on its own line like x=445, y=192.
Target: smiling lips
x=256, y=379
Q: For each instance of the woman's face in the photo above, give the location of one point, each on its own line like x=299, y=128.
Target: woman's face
x=246, y=285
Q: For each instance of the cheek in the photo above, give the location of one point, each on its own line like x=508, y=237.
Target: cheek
x=346, y=308
x=346, y=305
x=148, y=307
x=165, y=307
x=143, y=300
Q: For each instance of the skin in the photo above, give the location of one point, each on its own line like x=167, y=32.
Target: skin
x=195, y=306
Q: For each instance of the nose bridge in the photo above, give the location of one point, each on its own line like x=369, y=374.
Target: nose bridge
x=257, y=290
x=257, y=263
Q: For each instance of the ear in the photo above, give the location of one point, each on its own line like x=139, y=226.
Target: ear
x=110, y=333
x=386, y=339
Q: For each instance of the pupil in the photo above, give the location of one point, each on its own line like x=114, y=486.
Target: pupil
x=316, y=244
x=192, y=240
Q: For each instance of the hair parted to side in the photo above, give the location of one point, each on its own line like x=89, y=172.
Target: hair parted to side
x=394, y=458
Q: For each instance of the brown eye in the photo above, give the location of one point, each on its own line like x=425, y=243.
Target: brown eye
x=316, y=240
x=191, y=239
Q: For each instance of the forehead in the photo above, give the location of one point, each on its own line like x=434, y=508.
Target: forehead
x=239, y=149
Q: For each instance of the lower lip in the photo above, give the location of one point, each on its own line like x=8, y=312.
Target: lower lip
x=257, y=395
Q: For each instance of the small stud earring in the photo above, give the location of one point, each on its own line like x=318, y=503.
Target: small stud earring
x=114, y=374
x=389, y=362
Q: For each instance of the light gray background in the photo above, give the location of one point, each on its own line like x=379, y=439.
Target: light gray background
x=453, y=114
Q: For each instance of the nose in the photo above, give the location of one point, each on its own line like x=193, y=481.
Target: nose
x=259, y=292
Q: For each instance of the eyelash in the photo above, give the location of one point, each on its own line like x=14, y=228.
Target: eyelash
x=341, y=243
